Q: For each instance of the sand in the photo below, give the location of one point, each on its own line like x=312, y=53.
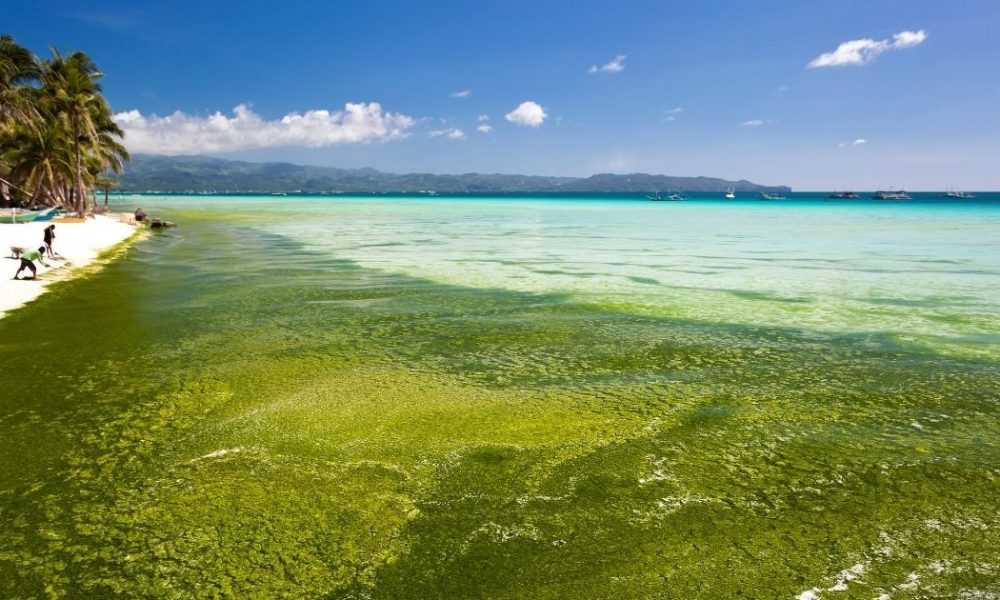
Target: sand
x=76, y=245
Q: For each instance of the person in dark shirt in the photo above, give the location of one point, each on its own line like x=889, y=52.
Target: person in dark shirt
x=50, y=235
x=27, y=262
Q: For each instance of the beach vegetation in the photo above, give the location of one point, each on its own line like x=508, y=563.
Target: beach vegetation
x=59, y=140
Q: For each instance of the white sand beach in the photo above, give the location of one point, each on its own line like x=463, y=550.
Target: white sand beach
x=76, y=244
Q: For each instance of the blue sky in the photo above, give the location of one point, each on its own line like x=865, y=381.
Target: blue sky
x=908, y=96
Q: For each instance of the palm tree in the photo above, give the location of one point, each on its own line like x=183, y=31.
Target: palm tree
x=18, y=69
x=41, y=159
x=59, y=137
x=71, y=94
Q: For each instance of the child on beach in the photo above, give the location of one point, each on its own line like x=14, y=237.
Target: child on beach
x=27, y=261
x=50, y=234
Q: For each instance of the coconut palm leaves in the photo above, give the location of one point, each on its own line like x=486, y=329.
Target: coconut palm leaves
x=56, y=128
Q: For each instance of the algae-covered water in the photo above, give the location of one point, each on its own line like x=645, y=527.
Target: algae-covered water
x=497, y=398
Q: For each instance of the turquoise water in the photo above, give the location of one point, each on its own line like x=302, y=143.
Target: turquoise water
x=927, y=273
x=512, y=397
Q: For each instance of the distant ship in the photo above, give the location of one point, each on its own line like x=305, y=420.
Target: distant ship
x=766, y=196
x=845, y=195
x=731, y=193
x=890, y=195
x=672, y=197
x=957, y=194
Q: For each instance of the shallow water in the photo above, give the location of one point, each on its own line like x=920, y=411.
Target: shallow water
x=512, y=398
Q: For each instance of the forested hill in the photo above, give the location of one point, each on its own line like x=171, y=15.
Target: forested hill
x=148, y=173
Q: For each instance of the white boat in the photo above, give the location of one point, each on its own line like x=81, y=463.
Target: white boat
x=731, y=192
x=766, y=196
x=953, y=193
x=890, y=195
x=656, y=196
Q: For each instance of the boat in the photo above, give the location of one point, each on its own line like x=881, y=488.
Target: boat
x=890, y=195
x=953, y=193
x=674, y=197
x=844, y=196
x=766, y=196
x=730, y=192
x=18, y=215
x=48, y=214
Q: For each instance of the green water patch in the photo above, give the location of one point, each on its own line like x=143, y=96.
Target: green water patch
x=222, y=414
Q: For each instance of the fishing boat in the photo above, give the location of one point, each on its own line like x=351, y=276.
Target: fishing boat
x=844, y=196
x=731, y=192
x=17, y=215
x=953, y=193
x=48, y=214
x=890, y=195
x=656, y=197
x=766, y=196
x=676, y=197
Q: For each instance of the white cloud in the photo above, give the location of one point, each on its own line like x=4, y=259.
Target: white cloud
x=181, y=133
x=482, y=118
x=616, y=65
x=858, y=142
x=674, y=111
x=859, y=52
x=908, y=39
x=452, y=134
x=484, y=128
x=460, y=94
x=752, y=123
x=783, y=88
x=528, y=113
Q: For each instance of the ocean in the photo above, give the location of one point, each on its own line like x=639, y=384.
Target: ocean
x=513, y=396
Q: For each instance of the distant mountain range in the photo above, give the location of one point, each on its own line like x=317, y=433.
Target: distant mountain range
x=148, y=173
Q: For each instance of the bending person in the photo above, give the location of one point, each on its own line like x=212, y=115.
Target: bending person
x=27, y=261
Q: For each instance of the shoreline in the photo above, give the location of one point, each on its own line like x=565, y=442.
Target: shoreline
x=77, y=245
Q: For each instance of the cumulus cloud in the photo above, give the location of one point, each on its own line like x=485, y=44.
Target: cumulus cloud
x=484, y=128
x=181, y=133
x=752, y=123
x=859, y=52
x=482, y=118
x=857, y=142
x=528, y=113
x=460, y=94
x=616, y=65
x=452, y=134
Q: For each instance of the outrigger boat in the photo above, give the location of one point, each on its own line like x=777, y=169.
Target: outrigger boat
x=890, y=195
x=957, y=194
x=17, y=215
x=766, y=196
x=845, y=196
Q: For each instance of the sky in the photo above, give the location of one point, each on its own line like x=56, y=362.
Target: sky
x=854, y=94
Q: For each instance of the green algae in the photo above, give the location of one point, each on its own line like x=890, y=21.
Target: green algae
x=224, y=414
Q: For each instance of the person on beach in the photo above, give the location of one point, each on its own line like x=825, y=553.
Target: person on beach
x=27, y=261
x=50, y=234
